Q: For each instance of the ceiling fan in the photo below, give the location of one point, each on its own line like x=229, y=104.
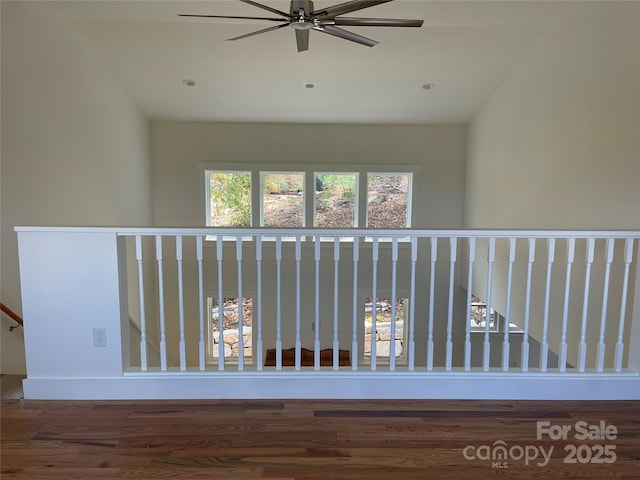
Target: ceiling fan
x=302, y=17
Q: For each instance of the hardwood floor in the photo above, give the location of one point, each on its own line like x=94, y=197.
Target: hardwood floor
x=319, y=440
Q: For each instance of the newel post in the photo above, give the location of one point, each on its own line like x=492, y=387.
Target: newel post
x=70, y=281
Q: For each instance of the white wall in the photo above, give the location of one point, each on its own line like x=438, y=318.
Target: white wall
x=178, y=193
x=75, y=150
x=557, y=146
x=178, y=147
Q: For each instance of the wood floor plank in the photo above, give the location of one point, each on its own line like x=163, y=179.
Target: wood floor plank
x=298, y=440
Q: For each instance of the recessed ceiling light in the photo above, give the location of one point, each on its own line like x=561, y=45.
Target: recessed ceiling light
x=428, y=86
x=309, y=85
x=188, y=82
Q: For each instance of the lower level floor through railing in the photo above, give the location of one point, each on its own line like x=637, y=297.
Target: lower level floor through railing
x=257, y=311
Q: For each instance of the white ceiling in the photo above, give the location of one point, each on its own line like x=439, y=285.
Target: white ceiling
x=466, y=48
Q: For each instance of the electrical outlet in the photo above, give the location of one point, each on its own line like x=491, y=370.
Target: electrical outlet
x=99, y=337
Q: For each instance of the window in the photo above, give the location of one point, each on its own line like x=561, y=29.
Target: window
x=478, y=319
x=388, y=200
x=229, y=199
x=230, y=331
x=283, y=198
x=335, y=200
x=383, y=311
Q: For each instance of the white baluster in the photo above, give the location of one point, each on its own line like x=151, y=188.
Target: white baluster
x=544, y=347
x=491, y=255
x=201, y=344
x=412, y=304
x=374, y=310
x=432, y=286
x=452, y=269
x=336, y=262
x=278, y=302
x=582, y=351
x=163, y=335
x=240, y=304
x=394, y=274
x=507, y=313
x=182, y=346
x=628, y=254
x=605, y=300
x=298, y=360
x=143, y=322
x=571, y=248
x=354, y=339
x=259, y=299
x=219, y=257
x=316, y=324
x=467, y=337
x=527, y=306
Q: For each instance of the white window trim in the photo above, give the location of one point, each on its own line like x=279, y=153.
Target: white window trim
x=309, y=170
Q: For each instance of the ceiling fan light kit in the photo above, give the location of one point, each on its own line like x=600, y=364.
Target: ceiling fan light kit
x=303, y=18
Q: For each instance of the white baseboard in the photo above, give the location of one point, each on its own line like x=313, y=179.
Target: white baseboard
x=339, y=385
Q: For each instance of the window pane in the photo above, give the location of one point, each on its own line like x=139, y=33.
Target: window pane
x=335, y=200
x=230, y=332
x=387, y=200
x=383, y=326
x=283, y=200
x=479, y=314
x=230, y=199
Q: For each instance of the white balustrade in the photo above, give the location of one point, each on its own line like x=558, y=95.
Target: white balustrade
x=521, y=309
x=506, y=347
x=544, y=349
x=432, y=301
x=161, y=304
x=437, y=332
x=543, y=309
x=491, y=257
x=527, y=305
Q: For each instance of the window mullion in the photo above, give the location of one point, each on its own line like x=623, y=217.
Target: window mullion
x=256, y=199
x=309, y=195
x=363, y=202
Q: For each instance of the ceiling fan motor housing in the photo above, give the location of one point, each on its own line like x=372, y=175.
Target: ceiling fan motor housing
x=302, y=8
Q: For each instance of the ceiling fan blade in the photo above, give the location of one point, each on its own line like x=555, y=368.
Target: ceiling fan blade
x=229, y=16
x=302, y=39
x=264, y=30
x=374, y=22
x=346, y=7
x=339, y=32
x=267, y=8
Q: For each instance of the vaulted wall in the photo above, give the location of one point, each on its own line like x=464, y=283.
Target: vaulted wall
x=75, y=149
x=556, y=146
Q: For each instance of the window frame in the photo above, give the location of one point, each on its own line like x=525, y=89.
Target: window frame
x=362, y=172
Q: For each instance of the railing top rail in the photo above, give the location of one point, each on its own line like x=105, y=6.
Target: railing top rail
x=11, y=314
x=361, y=232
